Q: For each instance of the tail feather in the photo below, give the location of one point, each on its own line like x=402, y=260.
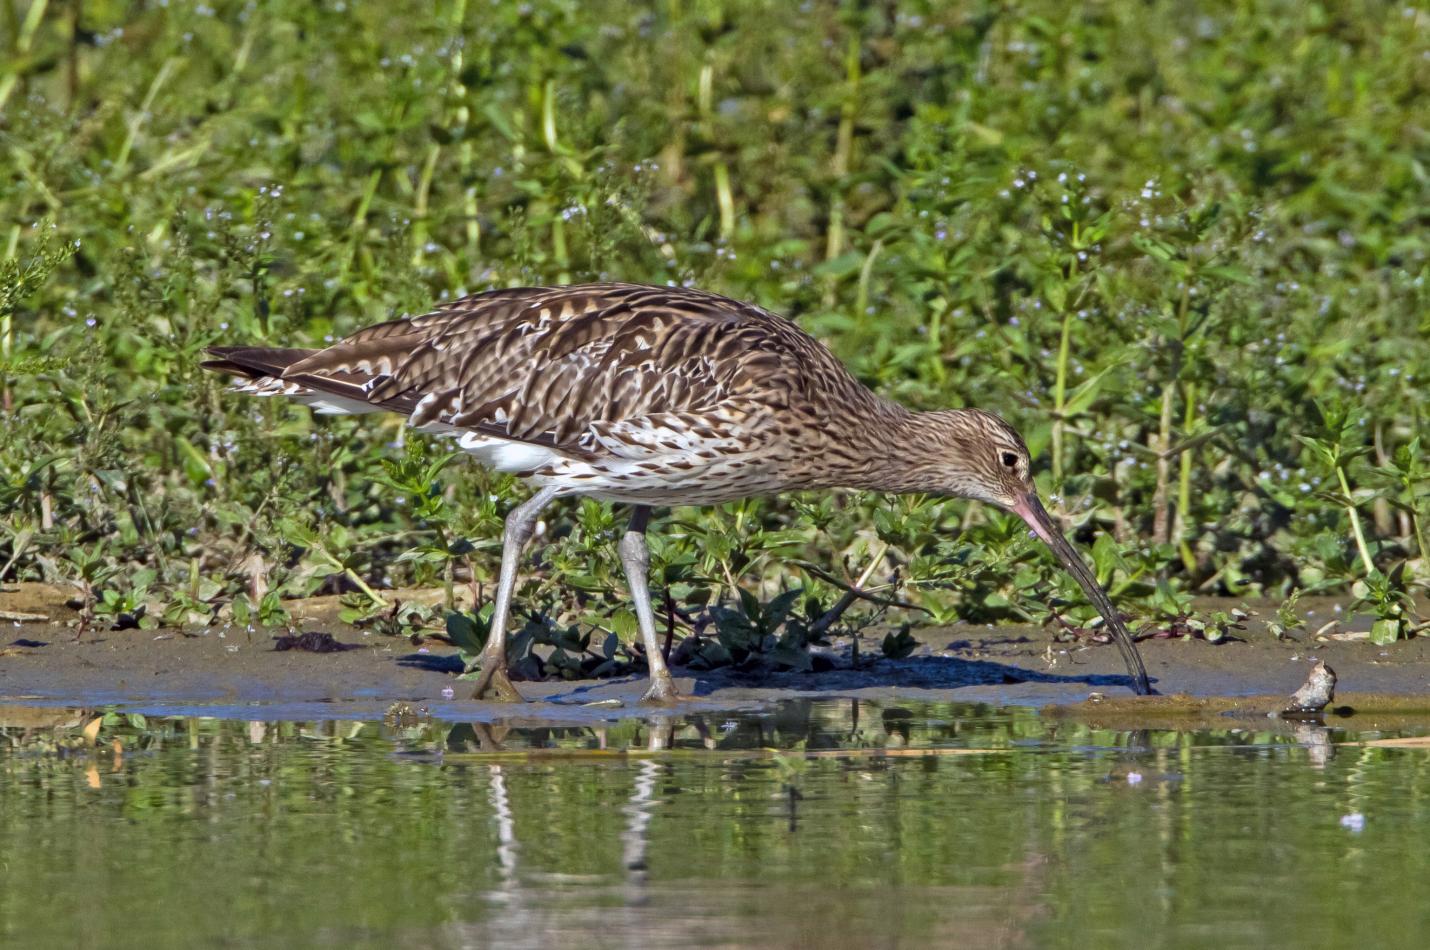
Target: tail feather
x=253, y=361
x=263, y=371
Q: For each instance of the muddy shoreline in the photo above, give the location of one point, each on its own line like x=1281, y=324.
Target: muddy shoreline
x=230, y=671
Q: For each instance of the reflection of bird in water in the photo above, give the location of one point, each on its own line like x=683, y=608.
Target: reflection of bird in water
x=635, y=838
x=1316, y=740
x=652, y=396
x=509, y=892
x=528, y=916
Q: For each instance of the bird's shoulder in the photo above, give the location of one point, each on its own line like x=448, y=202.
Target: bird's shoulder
x=605, y=309
x=557, y=359
x=594, y=329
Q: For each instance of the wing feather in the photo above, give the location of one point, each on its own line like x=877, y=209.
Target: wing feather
x=581, y=368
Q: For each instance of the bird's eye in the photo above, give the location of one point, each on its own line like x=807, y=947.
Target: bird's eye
x=1009, y=459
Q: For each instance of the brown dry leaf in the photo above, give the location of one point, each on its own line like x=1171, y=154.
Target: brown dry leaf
x=91, y=729
x=893, y=753
x=1347, y=637
x=91, y=777
x=1400, y=742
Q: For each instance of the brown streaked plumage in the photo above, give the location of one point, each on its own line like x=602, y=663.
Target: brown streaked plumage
x=651, y=396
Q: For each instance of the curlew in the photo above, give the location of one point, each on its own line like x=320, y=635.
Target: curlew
x=651, y=396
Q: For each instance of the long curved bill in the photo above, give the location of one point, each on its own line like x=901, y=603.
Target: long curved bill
x=1031, y=510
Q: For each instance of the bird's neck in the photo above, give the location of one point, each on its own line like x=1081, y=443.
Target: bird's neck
x=899, y=451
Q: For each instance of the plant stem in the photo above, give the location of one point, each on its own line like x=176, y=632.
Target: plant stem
x=362, y=586
x=420, y=203
x=1355, y=520
x=725, y=199
x=7, y=331
x=359, y=222
x=1184, y=479
x=449, y=601
x=136, y=123
x=559, y=251
x=843, y=150
x=1059, y=396
x=548, y=115
x=462, y=115
x=1060, y=382
x=861, y=296
x=1419, y=539
x=21, y=45
x=1161, y=523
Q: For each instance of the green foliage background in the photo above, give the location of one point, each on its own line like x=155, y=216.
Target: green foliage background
x=1184, y=248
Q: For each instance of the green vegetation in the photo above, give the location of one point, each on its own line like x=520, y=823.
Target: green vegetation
x=1184, y=249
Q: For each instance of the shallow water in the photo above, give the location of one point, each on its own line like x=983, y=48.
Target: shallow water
x=818, y=824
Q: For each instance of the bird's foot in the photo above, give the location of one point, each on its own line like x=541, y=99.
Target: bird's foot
x=662, y=692
x=494, y=686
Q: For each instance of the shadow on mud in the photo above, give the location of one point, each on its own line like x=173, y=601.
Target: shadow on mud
x=922, y=672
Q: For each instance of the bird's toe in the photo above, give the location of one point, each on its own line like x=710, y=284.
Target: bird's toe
x=664, y=693
x=496, y=687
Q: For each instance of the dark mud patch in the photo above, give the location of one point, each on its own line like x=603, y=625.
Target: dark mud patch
x=314, y=641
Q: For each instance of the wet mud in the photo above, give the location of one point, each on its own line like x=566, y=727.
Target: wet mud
x=231, y=671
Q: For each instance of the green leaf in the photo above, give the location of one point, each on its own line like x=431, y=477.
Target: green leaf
x=1160, y=250
x=196, y=466
x=1055, y=292
x=750, y=604
x=1080, y=400
x=623, y=624
x=1384, y=632
x=1232, y=274
x=778, y=609
x=1106, y=557
x=792, y=657
x=841, y=266
x=422, y=555
x=464, y=633
x=271, y=612
x=298, y=534
x=898, y=645
x=714, y=654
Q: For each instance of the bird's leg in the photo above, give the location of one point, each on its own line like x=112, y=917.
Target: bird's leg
x=635, y=558
x=494, y=682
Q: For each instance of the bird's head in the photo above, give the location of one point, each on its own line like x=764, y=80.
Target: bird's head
x=986, y=459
